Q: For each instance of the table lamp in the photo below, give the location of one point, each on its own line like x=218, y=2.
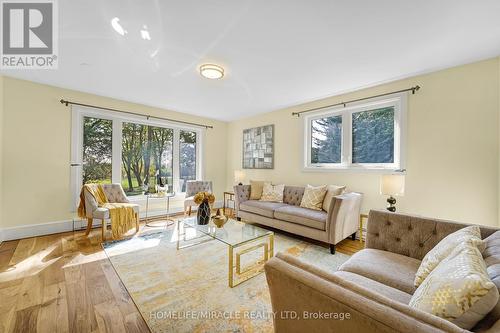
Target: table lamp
x=392, y=185
x=239, y=177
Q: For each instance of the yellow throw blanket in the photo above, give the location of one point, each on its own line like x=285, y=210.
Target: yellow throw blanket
x=122, y=215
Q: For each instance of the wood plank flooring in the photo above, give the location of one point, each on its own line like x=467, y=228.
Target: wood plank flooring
x=65, y=283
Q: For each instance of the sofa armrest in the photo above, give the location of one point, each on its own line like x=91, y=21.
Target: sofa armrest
x=241, y=194
x=343, y=217
x=298, y=291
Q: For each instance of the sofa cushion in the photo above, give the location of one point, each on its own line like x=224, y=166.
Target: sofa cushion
x=394, y=270
x=307, y=217
x=263, y=208
x=458, y=289
x=383, y=289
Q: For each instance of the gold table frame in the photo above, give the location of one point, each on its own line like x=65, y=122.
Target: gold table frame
x=236, y=273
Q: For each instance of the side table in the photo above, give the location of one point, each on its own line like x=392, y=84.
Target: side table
x=166, y=196
x=227, y=196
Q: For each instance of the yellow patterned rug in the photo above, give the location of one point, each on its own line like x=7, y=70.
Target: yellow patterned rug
x=187, y=290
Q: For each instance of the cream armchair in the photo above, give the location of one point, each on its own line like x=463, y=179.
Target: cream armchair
x=193, y=187
x=115, y=194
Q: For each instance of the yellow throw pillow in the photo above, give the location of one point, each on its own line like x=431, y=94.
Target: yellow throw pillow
x=458, y=289
x=313, y=197
x=445, y=247
x=256, y=187
x=331, y=191
x=272, y=193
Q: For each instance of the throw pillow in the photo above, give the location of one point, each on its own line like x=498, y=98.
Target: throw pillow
x=445, y=247
x=256, y=187
x=491, y=256
x=313, y=197
x=458, y=289
x=272, y=193
x=331, y=191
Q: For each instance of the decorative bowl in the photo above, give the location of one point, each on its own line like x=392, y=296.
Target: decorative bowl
x=219, y=220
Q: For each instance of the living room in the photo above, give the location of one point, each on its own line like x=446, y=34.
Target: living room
x=177, y=167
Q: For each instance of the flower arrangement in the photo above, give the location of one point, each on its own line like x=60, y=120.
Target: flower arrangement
x=202, y=196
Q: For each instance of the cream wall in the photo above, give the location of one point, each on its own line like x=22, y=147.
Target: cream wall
x=452, y=146
x=1, y=151
x=36, y=150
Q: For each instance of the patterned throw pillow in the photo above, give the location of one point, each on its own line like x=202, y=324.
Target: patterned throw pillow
x=445, y=247
x=272, y=193
x=313, y=197
x=331, y=191
x=458, y=289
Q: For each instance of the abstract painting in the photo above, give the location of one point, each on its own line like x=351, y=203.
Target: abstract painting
x=258, y=147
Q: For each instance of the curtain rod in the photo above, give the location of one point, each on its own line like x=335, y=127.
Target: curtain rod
x=66, y=102
x=412, y=89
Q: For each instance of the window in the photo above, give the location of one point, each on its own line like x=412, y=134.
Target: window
x=108, y=147
x=187, y=165
x=366, y=136
x=146, y=157
x=97, y=150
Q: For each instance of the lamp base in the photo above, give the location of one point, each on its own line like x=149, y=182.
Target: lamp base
x=392, y=204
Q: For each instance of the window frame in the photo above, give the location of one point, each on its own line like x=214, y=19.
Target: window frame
x=77, y=117
x=397, y=101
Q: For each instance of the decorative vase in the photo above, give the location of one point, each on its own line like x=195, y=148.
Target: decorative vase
x=203, y=215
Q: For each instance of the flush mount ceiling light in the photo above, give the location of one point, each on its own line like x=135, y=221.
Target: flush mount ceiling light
x=117, y=26
x=211, y=71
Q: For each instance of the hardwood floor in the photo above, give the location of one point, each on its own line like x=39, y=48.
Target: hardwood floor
x=65, y=283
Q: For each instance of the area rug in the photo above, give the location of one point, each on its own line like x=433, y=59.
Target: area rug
x=187, y=290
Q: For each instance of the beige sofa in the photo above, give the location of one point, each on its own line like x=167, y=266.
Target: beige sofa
x=330, y=227
x=375, y=285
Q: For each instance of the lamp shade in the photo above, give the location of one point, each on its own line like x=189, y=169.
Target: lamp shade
x=239, y=176
x=392, y=185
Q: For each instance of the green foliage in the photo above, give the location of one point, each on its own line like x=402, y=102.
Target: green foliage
x=327, y=140
x=97, y=138
x=373, y=136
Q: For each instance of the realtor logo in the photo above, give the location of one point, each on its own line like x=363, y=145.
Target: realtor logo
x=29, y=35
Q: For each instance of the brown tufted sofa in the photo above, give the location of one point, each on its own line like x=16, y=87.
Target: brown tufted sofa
x=330, y=227
x=376, y=284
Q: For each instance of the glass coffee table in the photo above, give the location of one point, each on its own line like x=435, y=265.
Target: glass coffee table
x=241, y=238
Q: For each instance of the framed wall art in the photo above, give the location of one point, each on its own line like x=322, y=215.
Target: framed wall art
x=258, y=147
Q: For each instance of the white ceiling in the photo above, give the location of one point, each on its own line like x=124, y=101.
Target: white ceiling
x=276, y=53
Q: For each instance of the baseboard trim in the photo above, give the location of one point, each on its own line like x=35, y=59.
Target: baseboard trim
x=41, y=229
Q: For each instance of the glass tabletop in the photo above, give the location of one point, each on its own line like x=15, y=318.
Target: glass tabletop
x=232, y=233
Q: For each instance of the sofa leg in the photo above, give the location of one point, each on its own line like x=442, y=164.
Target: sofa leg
x=238, y=218
x=189, y=211
x=332, y=248
x=353, y=236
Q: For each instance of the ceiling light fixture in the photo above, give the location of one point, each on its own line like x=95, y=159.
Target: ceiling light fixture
x=211, y=71
x=117, y=26
x=145, y=33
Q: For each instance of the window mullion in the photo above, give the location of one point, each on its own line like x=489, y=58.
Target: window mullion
x=175, y=160
x=116, y=157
